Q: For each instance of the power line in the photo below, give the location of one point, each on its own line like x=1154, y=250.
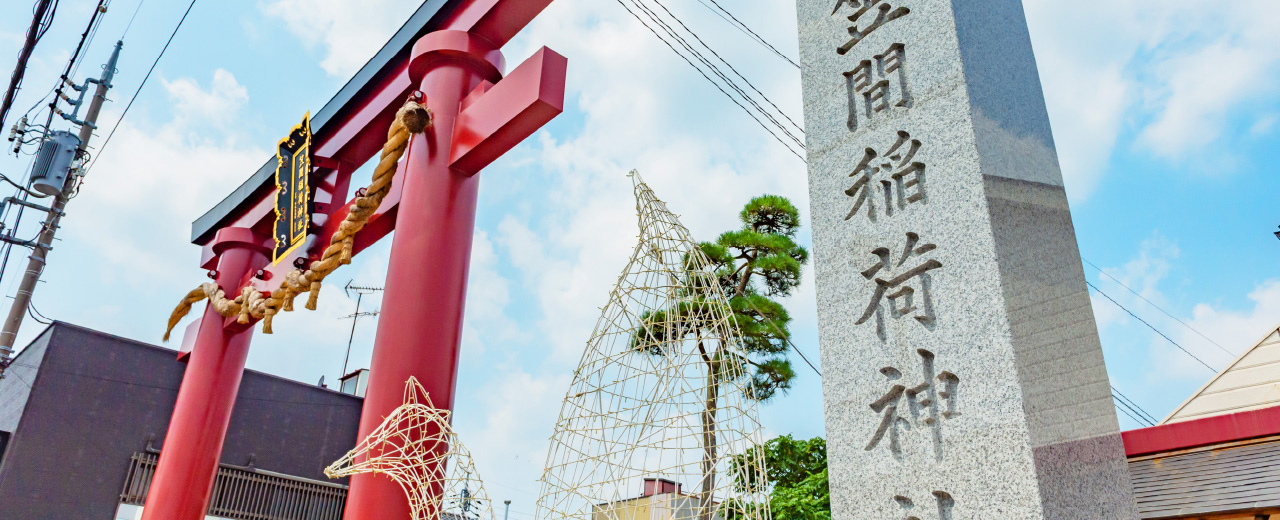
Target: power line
x=709, y=69
x=1157, y=331
x=731, y=68
x=1166, y=313
x=1125, y=411
x=35, y=315
x=1128, y=403
x=708, y=78
x=703, y=59
x=143, y=84
x=131, y=18
x=742, y=27
x=787, y=338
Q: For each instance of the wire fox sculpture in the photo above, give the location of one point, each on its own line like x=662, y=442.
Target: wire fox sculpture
x=417, y=447
x=660, y=395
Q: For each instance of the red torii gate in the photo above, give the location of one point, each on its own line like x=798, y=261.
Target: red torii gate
x=478, y=116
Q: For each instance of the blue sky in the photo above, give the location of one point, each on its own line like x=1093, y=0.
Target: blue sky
x=1165, y=115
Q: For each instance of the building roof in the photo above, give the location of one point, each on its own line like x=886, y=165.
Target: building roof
x=1251, y=382
x=82, y=404
x=1218, y=454
x=1222, y=479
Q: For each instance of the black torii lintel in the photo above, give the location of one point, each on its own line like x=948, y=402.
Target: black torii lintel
x=430, y=15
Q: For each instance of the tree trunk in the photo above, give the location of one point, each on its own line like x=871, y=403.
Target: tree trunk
x=741, y=289
x=709, y=444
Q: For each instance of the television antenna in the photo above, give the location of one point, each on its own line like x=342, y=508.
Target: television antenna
x=355, y=316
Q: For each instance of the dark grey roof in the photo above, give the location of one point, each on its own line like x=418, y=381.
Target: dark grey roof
x=94, y=400
x=1239, y=477
x=398, y=47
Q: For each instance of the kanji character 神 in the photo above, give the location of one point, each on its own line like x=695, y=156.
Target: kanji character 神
x=922, y=405
x=894, y=174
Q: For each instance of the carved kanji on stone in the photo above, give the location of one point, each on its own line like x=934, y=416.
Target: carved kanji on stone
x=863, y=20
x=929, y=403
x=942, y=499
x=896, y=283
x=878, y=84
x=894, y=175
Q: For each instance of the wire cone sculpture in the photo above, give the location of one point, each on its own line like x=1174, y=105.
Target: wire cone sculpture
x=657, y=418
x=417, y=447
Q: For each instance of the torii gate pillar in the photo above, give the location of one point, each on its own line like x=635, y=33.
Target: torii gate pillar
x=477, y=116
x=202, y=413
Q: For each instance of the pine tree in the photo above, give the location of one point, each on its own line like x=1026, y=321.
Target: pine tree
x=753, y=265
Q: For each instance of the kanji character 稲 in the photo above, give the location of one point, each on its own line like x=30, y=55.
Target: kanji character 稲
x=894, y=174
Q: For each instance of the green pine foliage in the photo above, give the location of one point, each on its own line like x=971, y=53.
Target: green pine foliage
x=755, y=264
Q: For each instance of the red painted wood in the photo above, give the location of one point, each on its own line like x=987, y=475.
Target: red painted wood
x=419, y=328
x=188, y=463
x=506, y=114
x=495, y=20
x=362, y=131
x=1202, y=432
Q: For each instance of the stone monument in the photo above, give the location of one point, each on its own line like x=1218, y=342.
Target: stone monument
x=964, y=377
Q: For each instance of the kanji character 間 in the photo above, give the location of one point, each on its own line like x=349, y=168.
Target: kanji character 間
x=878, y=84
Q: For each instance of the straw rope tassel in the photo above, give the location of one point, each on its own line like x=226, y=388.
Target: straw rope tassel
x=412, y=118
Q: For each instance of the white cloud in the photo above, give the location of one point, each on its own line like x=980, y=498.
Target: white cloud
x=1264, y=124
x=488, y=294
x=510, y=442
x=218, y=105
x=349, y=32
x=1174, y=70
x=1142, y=274
x=1234, y=329
x=1213, y=333
x=177, y=169
x=1200, y=90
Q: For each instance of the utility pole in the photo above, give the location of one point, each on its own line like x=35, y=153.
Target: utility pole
x=506, y=513
x=44, y=241
x=355, y=317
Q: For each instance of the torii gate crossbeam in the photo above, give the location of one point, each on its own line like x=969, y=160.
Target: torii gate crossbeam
x=450, y=52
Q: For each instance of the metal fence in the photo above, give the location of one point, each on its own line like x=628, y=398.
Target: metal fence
x=249, y=494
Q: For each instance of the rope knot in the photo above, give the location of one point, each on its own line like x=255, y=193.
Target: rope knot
x=414, y=116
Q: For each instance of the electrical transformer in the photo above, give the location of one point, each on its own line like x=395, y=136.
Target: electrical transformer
x=53, y=162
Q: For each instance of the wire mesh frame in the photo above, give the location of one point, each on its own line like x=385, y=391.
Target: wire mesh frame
x=664, y=347
x=417, y=448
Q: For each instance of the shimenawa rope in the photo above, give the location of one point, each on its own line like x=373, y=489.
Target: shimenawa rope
x=252, y=304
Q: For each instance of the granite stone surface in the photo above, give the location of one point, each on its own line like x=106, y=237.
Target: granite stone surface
x=963, y=374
